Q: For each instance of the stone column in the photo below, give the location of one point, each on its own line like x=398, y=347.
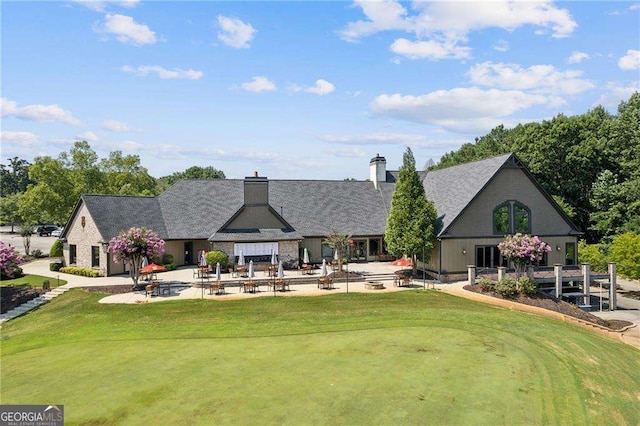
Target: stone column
x=502, y=270
x=613, y=284
x=472, y=274
x=586, y=283
x=557, y=269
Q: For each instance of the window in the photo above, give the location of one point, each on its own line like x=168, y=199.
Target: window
x=95, y=256
x=511, y=217
x=327, y=251
x=72, y=254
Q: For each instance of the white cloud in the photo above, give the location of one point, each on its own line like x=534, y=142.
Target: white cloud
x=259, y=84
x=537, y=78
x=322, y=87
x=501, y=45
x=376, y=139
x=630, y=61
x=87, y=136
x=234, y=32
x=461, y=109
x=617, y=93
x=163, y=73
x=430, y=49
x=440, y=27
x=350, y=152
x=37, y=112
x=101, y=5
x=116, y=126
x=24, y=139
x=126, y=30
x=577, y=57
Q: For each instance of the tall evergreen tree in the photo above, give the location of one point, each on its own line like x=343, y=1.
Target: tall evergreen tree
x=412, y=218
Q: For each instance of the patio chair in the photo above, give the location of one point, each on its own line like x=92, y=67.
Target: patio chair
x=325, y=283
x=281, y=284
x=217, y=286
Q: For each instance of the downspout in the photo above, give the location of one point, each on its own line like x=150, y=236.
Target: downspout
x=440, y=259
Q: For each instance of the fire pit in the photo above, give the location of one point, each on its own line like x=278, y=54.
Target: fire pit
x=374, y=285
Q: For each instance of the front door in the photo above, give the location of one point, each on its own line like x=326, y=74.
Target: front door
x=570, y=254
x=188, y=252
x=488, y=257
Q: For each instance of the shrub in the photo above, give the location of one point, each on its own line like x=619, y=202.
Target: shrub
x=527, y=286
x=55, y=266
x=594, y=254
x=507, y=287
x=9, y=261
x=167, y=259
x=170, y=266
x=85, y=272
x=56, y=249
x=37, y=253
x=625, y=251
x=487, y=284
x=216, y=256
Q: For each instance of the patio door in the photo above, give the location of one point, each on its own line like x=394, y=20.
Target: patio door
x=488, y=257
x=358, y=250
x=188, y=252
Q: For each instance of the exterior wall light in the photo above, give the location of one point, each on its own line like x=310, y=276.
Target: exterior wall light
x=464, y=251
x=558, y=247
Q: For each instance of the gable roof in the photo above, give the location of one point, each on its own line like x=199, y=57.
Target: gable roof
x=114, y=213
x=199, y=208
x=453, y=188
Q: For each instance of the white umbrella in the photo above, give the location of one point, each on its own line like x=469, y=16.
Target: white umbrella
x=323, y=273
x=218, y=278
x=241, y=259
x=251, y=274
x=335, y=254
x=273, y=257
x=280, y=270
x=145, y=262
x=305, y=258
x=203, y=258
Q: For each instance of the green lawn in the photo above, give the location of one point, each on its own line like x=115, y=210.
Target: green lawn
x=413, y=357
x=33, y=281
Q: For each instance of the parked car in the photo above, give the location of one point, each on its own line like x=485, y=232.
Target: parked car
x=57, y=233
x=45, y=230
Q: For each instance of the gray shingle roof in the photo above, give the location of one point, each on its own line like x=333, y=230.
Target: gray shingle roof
x=114, y=213
x=452, y=189
x=198, y=208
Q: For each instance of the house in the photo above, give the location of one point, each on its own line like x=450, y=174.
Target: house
x=477, y=204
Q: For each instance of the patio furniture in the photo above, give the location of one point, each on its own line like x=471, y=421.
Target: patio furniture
x=248, y=286
x=281, y=284
x=217, y=286
x=243, y=271
x=307, y=269
x=402, y=281
x=325, y=283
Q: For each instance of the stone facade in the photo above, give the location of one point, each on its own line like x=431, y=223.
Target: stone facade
x=85, y=239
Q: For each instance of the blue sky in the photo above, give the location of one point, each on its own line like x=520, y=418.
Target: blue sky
x=301, y=89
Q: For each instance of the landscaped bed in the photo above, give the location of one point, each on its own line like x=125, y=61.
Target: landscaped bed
x=411, y=357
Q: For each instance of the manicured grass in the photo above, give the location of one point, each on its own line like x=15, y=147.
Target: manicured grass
x=33, y=281
x=414, y=357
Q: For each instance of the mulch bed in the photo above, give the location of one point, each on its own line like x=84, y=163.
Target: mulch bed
x=109, y=289
x=544, y=301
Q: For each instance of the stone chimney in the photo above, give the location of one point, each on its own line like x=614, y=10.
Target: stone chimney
x=378, y=170
x=256, y=190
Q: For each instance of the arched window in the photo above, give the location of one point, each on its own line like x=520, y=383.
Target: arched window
x=511, y=217
x=501, y=219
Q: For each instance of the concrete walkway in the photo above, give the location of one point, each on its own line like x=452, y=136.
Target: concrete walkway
x=629, y=309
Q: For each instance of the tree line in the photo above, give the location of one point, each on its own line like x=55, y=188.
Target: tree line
x=46, y=190
x=590, y=163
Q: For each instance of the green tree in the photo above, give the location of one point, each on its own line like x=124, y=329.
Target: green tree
x=194, y=172
x=124, y=175
x=9, y=211
x=14, y=178
x=412, y=218
x=625, y=251
x=26, y=230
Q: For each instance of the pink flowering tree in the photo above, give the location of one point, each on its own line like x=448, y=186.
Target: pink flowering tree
x=523, y=250
x=9, y=261
x=132, y=246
